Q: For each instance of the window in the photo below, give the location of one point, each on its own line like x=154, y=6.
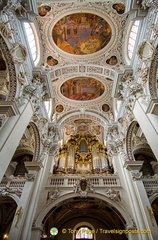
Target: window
x=48, y=106
x=84, y=233
x=31, y=40
x=132, y=38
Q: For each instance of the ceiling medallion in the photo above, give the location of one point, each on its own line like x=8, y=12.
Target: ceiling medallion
x=82, y=88
x=81, y=33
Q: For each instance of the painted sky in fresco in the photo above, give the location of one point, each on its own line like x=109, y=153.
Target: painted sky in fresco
x=81, y=33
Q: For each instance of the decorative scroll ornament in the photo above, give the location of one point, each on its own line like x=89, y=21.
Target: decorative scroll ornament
x=143, y=74
x=136, y=175
x=118, y=143
x=30, y=89
x=83, y=187
x=3, y=119
x=148, y=3
x=30, y=177
x=22, y=77
x=55, y=194
x=151, y=192
x=13, y=5
x=7, y=191
x=112, y=194
x=145, y=51
x=6, y=31
x=155, y=29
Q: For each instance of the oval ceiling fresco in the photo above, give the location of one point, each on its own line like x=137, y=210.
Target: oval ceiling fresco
x=81, y=33
x=82, y=88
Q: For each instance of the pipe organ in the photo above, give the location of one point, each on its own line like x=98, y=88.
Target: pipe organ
x=83, y=153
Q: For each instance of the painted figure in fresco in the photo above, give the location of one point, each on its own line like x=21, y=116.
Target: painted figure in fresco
x=105, y=107
x=112, y=61
x=43, y=10
x=59, y=108
x=51, y=61
x=119, y=7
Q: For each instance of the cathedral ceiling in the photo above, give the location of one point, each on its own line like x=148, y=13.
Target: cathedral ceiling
x=82, y=49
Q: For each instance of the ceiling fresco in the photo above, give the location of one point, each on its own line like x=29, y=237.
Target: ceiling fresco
x=82, y=88
x=81, y=33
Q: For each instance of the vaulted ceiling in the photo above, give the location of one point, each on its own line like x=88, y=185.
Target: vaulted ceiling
x=83, y=48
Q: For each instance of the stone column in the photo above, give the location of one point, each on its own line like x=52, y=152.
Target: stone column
x=46, y=158
x=148, y=123
x=140, y=201
x=11, y=133
x=21, y=222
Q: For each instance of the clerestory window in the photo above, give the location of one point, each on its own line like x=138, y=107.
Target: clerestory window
x=132, y=38
x=31, y=40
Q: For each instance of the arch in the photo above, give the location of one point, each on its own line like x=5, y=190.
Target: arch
x=36, y=151
x=88, y=114
x=14, y=197
x=140, y=148
x=11, y=69
x=7, y=211
x=44, y=214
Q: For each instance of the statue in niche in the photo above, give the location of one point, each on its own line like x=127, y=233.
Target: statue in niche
x=146, y=168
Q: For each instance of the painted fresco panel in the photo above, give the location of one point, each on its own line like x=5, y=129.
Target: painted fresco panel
x=81, y=33
x=82, y=88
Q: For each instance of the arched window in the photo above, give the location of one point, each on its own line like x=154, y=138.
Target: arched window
x=84, y=232
x=132, y=38
x=31, y=40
